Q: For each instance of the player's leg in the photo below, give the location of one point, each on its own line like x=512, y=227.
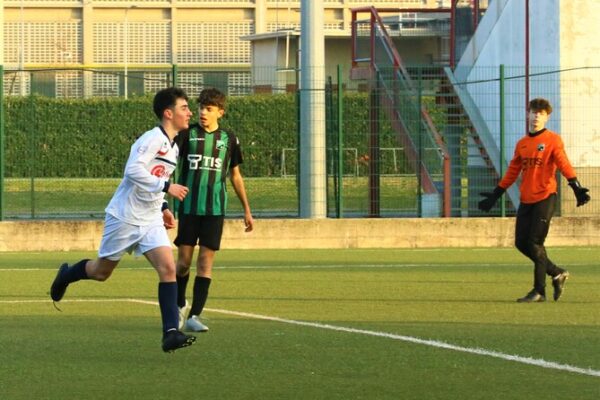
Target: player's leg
x=202, y=281
x=523, y=228
x=66, y=275
x=540, y=225
x=115, y=241
x=99, y=269
x=187, y=237
x=543, y=213
x=156, y=247
x=185, y=254
x=210, y=242
x=163, y=262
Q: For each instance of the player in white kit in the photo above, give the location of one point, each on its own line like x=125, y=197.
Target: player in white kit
x=137, y=217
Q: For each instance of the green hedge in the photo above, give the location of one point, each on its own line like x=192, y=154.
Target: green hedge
x=90, y=138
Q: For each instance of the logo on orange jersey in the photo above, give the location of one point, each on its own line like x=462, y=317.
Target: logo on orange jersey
x=528, y=162
x=541, y=147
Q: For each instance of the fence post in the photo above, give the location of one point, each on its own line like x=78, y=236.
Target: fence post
x=32, y=133
x=1, y=142
x=330, y=163
x=502, y=132
x=174, y=74
x=420, y=145
x=374, y=113
x=340, y=143
x=298, y=152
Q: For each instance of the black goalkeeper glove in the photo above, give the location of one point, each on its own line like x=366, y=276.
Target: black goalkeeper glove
x=581, y=193
x=490, y=198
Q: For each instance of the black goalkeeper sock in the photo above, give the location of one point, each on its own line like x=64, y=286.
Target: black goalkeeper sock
x=201, y=285
x=167, y=300
x=182, y=282
x=76, y=272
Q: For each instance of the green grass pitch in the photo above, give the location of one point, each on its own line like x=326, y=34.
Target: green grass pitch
x=318, y=324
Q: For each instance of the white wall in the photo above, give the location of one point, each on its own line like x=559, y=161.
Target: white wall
x=563, y=34
x=500, y=39
x=580, y=89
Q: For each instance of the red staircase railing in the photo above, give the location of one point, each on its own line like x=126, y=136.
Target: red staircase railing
x=398, y=78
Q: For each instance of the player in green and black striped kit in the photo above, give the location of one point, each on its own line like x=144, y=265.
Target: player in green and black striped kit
x=207, y=155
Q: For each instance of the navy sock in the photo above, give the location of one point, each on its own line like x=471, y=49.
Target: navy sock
x=76, y=272
x=201, y=285
x=167, y=300
x=182, y=282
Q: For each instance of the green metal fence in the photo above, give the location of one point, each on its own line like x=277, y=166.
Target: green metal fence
x=65, y=135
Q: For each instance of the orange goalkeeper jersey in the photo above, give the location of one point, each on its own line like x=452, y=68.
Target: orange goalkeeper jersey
x=536, y=159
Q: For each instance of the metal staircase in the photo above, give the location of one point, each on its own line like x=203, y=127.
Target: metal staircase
x=394, y=92
x=442, y=157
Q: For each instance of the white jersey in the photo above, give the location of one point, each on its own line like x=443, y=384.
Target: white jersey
x=140, y=195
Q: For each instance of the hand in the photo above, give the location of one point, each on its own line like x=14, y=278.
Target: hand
x=490, y=198
x=168, y=219
x=581, y=193
x=177, y=191
x=249, y=222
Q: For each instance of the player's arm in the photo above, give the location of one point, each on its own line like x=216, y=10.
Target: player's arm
x=168, y=217
x=513, y=170
x=135, y=170
x=512, y=173
x=565, y=168
x=237, y=181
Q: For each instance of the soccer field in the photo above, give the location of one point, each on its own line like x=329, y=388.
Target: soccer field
x=318, y=324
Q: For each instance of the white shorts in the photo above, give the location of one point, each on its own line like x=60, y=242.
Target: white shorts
x=120, y=237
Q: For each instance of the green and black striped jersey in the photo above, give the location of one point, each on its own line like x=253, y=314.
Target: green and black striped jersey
x=205, y=159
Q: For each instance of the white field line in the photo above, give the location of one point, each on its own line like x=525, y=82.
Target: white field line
x=538, y=362
x=309, y=266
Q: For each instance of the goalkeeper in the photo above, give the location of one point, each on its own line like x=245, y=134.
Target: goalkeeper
x=536, y=158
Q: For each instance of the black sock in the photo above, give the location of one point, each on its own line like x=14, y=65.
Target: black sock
x=182, y=282
x=167, y=300
x=76, y=272
x=201, y=285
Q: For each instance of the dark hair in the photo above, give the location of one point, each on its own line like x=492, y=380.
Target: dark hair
x=540, y=104
x=167, y=98
x=212, y=97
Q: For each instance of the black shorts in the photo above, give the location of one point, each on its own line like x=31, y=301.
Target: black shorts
x=204, y=230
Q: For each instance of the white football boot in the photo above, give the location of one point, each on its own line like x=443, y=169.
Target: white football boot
x=193, y=324
x=183, y=312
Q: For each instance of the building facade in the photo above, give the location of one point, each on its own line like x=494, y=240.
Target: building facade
x=116, y=47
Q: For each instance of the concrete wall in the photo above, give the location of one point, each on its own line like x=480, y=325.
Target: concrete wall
x=328, y=233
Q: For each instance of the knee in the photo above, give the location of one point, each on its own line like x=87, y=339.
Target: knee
x=100, y=270
x=182, y=268
x=204, y=265
x=538, y=251
x=102, y=276
x=522, y=245
x=166, y=274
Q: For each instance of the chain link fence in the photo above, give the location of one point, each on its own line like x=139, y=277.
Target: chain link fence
x=67, y=132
